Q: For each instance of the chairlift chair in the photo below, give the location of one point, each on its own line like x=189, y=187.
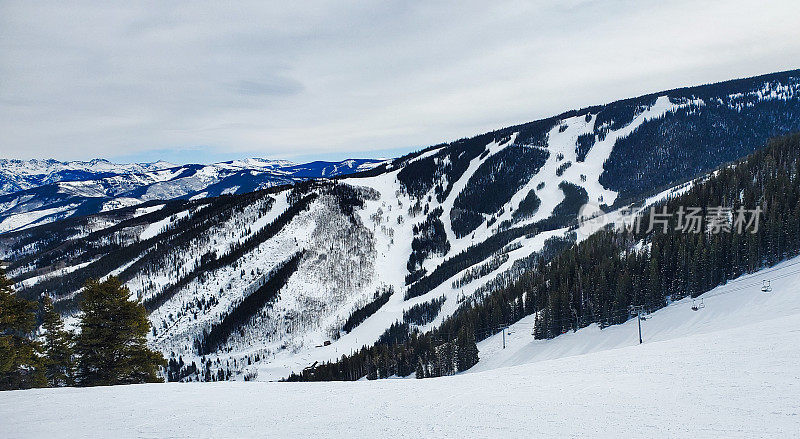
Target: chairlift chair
x=697, y=305
x=765, y=286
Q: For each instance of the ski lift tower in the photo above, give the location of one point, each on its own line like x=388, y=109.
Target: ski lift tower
x=638, y=310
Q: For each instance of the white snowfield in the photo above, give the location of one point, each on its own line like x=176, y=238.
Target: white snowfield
x=730, y=369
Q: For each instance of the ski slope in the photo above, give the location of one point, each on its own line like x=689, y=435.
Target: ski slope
x=727, y=370
x=737, y=304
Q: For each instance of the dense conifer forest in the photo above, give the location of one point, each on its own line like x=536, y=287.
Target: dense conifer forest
x=362, y=313
x=110, y=348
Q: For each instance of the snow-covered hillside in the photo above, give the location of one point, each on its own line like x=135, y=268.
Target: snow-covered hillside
x=726, y=370
x=18, y=175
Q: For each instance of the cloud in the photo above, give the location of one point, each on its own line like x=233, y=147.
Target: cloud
x=274, y=87
x=274, y=79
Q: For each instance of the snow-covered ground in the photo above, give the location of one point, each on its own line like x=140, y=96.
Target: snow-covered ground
x=727, y=370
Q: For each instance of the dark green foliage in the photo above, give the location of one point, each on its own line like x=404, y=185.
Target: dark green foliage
x=582, y=146
x=58, y=347
x=474, y=254
x=178, y=370
x=348, y=197
x=692, y=141
x=465, y=220
x=21, y=365
x=415, y=275
x=621, y=113
x=420, y=176
x=112, y=345
x=397, y=333
x=527, y=207
x=401, y=353
x=251, y=305
x=535, y=133
x=599, y=278
x=567, y=210
x=378, y=300
x=429, y=239
x=423, y=313
x=562, y=167
x=466, y=349
x=478, y=271
x=478, y=253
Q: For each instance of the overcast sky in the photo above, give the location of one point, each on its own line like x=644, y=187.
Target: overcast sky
x=194, y=82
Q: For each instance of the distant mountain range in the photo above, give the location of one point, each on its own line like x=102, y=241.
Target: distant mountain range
x=34, y=192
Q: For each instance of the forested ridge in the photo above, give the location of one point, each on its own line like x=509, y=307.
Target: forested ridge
x=599, y=279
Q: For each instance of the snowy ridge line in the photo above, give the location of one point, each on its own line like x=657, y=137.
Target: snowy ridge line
x=27, y=202
x=140, y=249
x=103, y=231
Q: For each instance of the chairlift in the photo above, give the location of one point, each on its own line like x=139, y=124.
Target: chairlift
x=765, y=286
x=697, y=305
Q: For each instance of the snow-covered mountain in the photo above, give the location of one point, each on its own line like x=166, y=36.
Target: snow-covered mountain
x=39, y=191
x=19, y=175
x=270, y=281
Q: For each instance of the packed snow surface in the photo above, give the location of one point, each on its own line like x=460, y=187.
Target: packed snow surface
x=729, y=369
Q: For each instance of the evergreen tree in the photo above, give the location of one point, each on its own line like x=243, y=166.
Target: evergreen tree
x=58, y=347
x=20, y=360
x=467, y=354
x=112, y=344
